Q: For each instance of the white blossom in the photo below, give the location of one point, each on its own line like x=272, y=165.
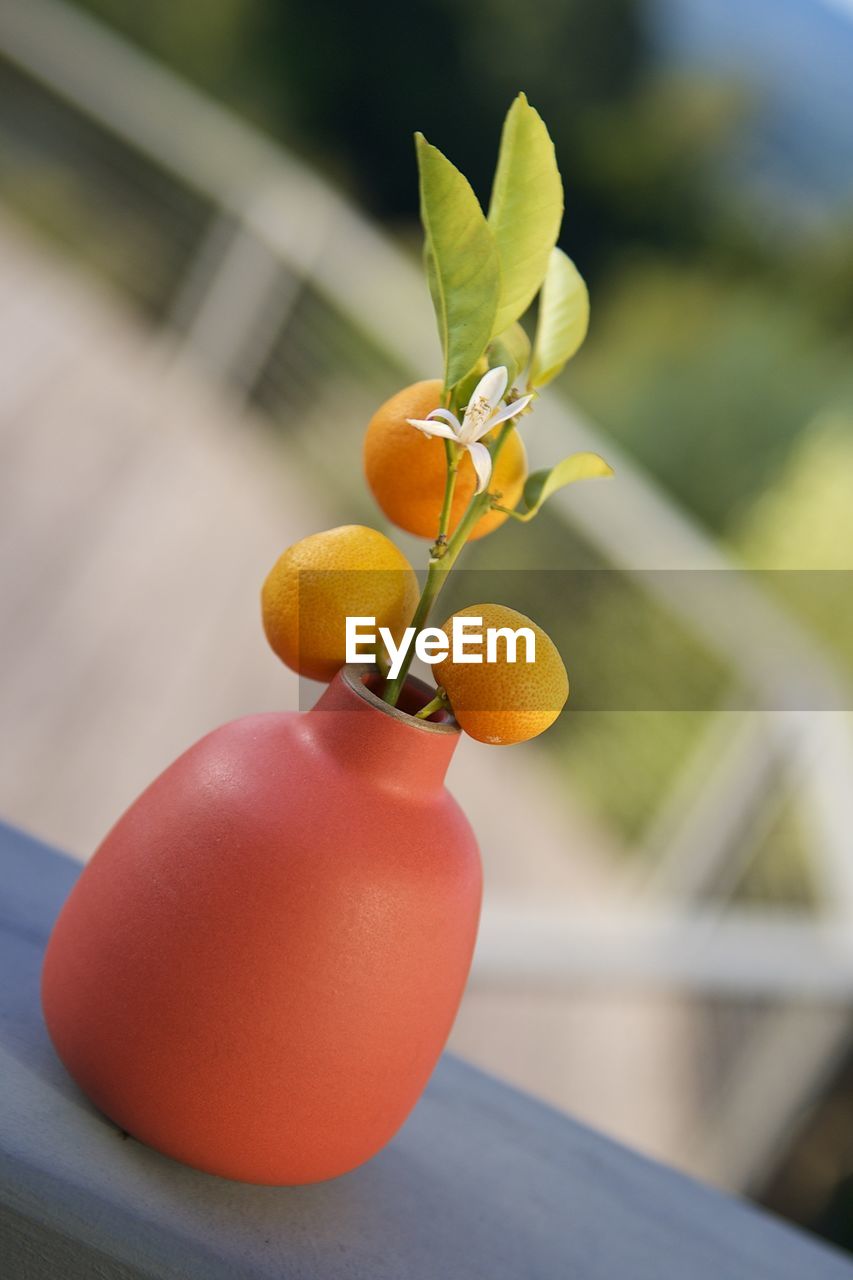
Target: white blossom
x=482, y=415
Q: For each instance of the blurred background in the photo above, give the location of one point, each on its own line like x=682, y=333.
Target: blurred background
x=209, y=279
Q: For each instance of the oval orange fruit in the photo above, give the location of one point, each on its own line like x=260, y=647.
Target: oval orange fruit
x=406, y=470
x=503, y=702
x=320, y=581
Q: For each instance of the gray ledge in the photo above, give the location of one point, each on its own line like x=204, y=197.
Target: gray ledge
x=482, y=1182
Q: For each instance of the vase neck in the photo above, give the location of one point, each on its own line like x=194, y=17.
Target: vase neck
x=385, y=743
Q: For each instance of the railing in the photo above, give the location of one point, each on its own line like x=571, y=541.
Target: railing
x=259, y=240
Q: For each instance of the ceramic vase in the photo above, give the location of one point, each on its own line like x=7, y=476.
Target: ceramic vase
x=258, y=969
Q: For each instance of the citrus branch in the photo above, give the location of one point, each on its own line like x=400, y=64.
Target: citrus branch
x=440, y=566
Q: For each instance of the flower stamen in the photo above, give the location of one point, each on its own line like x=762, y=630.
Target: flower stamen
x=483, y=414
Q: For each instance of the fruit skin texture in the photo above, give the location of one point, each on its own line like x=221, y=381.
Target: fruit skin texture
x=258, y=969
x=504, y=702
x=316, y=583
x=406, y=470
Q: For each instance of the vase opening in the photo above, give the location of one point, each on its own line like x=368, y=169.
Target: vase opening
x=414, y=695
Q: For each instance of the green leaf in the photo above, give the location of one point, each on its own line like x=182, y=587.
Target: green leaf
x=542, y=485
x=511, y=349
x=462, y=261
x=526, y=209
x=464, y=389
x=563, y=319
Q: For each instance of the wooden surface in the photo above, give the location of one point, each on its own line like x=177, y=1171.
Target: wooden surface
x=481, y=1181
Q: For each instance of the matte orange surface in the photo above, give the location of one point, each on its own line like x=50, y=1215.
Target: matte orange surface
x=258, y=970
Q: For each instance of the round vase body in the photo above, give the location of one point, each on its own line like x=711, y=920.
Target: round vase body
x=259, y=967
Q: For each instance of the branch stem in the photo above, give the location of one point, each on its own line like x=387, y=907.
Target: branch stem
x=452, y=452
x=438, y=703
x=442, y=559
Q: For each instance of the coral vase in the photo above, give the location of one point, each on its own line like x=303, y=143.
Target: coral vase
x=258, y=969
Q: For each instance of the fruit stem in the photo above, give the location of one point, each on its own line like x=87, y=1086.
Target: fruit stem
x=452, y=453
x=436, y=577
x=438, y=703
x=440, y=566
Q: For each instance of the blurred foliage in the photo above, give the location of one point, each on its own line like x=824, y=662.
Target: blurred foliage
x=347, y=86
x=778, y=868
x=450, y=70
x=814, y=1185
x=806, y=519
x=801, y=533
x=708, y=379
x=114, y=209
x=206, y=44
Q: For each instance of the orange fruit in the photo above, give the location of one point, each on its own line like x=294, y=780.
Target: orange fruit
x=317, y=583
x=503, y=702
x=406, y=470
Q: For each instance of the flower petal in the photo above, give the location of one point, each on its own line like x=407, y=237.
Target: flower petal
x=446, y=416
x=482, y=461
x=432, y=428
x=484, y=400
x=491, y=386
x=506, y=411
